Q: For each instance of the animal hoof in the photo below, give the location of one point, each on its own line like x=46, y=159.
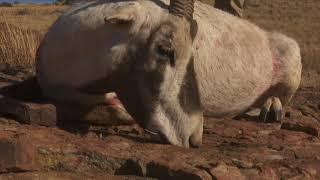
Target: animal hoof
x=271, y=111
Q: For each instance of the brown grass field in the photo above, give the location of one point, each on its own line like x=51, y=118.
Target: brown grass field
x=22, y=27
x=297, y=19
x=21, y=30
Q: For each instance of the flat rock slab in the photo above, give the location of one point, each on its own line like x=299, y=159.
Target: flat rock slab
x=63, y=176
x=29, y=113
x=17, y=154
x=307, y=125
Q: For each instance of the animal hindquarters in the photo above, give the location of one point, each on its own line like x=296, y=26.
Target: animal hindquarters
x=287, y=66
x=232, y=65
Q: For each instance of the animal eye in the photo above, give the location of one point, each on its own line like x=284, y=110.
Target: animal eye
x=166, y=53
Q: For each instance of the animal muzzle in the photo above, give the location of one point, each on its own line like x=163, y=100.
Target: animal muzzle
x=169, y=135
x=156, y=136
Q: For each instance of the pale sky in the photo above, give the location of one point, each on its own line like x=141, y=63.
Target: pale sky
x=28, y=1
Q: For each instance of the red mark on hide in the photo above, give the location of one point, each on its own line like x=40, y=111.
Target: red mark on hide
x=263, y=85
x=114, y=102
x=275, y=66
x=260, y=88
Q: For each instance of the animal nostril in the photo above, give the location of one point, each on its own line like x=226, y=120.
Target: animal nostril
x=195, y=142
x=163, y=138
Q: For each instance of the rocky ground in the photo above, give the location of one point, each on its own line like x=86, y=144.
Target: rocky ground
x=232, y=149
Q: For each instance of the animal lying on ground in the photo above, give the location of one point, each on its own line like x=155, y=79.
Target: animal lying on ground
x=169, y=65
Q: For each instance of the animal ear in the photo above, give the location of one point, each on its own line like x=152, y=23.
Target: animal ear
x=122, y=15
x=193, y=29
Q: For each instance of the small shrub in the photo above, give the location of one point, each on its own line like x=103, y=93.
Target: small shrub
x=60, y=2
x=6, y=4
x=23, y=12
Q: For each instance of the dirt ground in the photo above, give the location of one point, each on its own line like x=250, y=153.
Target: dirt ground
x=232, y=149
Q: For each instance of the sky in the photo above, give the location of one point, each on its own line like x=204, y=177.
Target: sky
x=28, y=1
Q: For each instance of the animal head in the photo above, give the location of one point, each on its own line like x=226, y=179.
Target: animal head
x=161, y=53
x=163, y=68
x=162, y=60
x=165, y=83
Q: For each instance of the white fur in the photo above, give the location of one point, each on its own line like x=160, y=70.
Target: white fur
x=235, y=62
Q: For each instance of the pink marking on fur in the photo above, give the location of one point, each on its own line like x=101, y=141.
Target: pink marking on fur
x=114, y=102
x=260, y=88
x=275, y=66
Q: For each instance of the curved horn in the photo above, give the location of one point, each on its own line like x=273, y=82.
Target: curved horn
x=182, y=8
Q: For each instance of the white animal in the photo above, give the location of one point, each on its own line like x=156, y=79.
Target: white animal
x=167, y=68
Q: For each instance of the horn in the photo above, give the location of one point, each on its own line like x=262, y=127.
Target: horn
x=182, y=8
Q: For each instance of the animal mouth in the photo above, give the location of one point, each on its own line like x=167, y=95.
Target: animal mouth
x=156, y=136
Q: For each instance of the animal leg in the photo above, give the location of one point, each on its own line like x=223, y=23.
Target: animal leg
x=271, y=110
x=113, y=113
x=113, y=100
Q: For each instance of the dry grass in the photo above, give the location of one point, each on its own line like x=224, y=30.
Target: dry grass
x=38, y=17
x=18, y=45
x=296, y=18
x=21, y=30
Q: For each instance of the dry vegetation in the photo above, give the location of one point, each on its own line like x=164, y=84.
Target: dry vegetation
x=21, y=30
x=36, y=17
x=296, y=18
x=18, y=45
